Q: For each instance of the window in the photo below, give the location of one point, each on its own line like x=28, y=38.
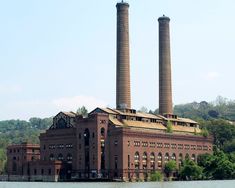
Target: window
x=137, y=164
x=152, y=160
x=199, y=147
x=166, y=145
x=102, y=132
x=166, y=157
x=35, y=171
x=173, y=146
x=69, y=157
x=51, y=157
x=193, y=147
x=205, y=148
x=193, y=157
x=144, y=144
x=180, y=146
x=116, y=162
x=86, y=137
x=60, y=157
x=159, y=145
x=137, y=143
x=152, y=144
x=49, y=171
x=42, y=171
x=128, y=143
x=173, y=157
x=180, y=159
x=144, y=159
x=115, y=143
x=187, y=156
x=137, y=158
x=186, y=146
x=159, y=160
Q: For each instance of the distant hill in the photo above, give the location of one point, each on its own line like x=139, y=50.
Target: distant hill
x=221, y=108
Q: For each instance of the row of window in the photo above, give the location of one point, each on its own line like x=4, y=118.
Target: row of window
x=60, y=157
x=168, y=145
x=60, y=146
x=160, y=158
x=18, y=150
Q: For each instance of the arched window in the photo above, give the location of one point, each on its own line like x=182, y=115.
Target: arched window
x=86, y=137
x=61, y=124
x=69, y=157
x=180, y=159
x=137, y=164
x=187, y=156
x=137, y=159
x=102, y=132
x=51, y=157
x=193, y=157
x=173, y=157
x=166, y=157
x=152, y=160
x=144, y=160
x=60, y=157
x=159, y=160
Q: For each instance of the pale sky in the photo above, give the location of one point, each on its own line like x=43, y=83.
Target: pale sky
x=57, y=55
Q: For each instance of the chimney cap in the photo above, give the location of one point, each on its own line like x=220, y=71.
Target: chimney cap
x=122, y=3
x=163, y=18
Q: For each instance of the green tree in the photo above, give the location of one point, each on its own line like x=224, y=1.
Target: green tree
x=169, y=128
x=143, y=109
x=156, y=176
x=82, y=111
x=190, y=171
x=169, y=168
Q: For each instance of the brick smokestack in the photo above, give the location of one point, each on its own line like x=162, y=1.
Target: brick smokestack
x=165, y=88
x=123, y=93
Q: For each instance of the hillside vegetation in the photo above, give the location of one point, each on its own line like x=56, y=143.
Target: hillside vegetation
x=17, y=131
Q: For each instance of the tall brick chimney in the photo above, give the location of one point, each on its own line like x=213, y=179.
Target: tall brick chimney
x=165, y=88
x=123, y=93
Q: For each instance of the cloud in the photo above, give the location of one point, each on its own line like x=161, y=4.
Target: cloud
x=72, y=103
x=212, y=75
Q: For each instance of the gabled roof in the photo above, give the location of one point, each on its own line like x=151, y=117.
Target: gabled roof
x=70, y=114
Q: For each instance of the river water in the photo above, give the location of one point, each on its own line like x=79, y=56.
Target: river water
x=178, y=184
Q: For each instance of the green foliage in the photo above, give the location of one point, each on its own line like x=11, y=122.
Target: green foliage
x=170, y=167
x=143, y=109
x=221, y=130
x=204, y=132
x=218, y=166
x=190, y=171
x=82, y=111
x=17, y=131
x=229, y=146
x=169, y=127
x=220, y=108
x=156, y=176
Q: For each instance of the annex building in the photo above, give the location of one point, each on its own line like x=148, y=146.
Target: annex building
x=113, y=144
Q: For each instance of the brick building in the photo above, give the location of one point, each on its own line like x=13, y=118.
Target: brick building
x=116, y=143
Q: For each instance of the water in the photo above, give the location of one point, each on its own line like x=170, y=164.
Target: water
x=179, y=184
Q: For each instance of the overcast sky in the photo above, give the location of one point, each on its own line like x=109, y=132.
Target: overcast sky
x=57, y=55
